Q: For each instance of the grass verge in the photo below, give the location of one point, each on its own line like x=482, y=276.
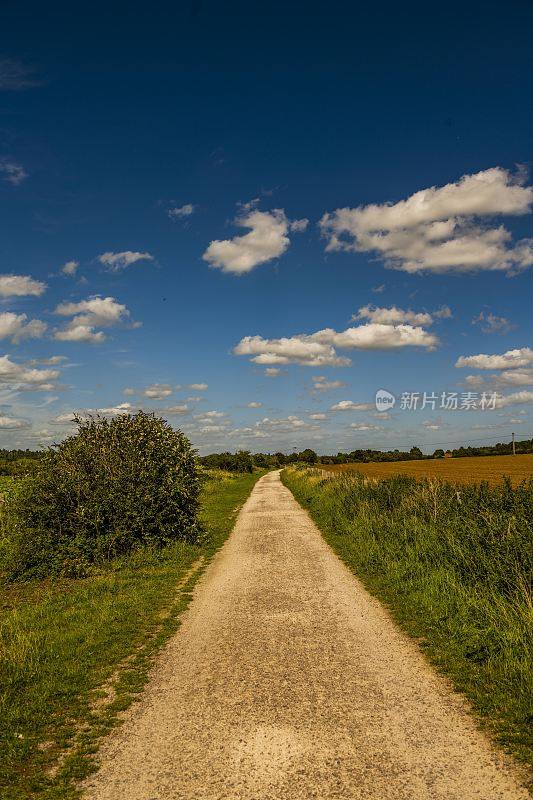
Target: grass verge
x=75, y=653
x=454, y=568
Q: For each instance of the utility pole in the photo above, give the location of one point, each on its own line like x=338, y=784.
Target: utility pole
x=514, y=446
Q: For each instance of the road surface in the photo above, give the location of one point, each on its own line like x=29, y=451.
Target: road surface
x=287, y=680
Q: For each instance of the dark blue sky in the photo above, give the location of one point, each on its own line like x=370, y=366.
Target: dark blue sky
x=112, y=116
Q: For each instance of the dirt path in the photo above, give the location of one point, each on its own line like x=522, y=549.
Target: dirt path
x=287, y=680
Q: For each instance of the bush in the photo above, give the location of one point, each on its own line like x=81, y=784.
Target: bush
x=113, y=486
x=231, y=462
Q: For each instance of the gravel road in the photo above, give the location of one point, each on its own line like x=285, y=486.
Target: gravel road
x=287, y=680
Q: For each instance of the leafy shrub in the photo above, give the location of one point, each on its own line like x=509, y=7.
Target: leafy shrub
x=231, y=462
x=113, y=486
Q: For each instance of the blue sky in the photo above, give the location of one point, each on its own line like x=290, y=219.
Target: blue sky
x=279, y=210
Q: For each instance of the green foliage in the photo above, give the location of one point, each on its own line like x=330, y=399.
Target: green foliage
x=231, y=462
x=115, y=485
x=455, y=568
x=73, y=652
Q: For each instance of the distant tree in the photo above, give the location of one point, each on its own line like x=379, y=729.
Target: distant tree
x=308, y=456
x=438, y=453
x=416, y=452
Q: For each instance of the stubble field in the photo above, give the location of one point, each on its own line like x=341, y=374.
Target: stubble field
x=454, y=470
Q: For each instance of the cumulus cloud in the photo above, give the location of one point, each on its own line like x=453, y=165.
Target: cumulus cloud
x=365, y=426
x=516, y=398
x=13, y=172
x=87, y=315
x=319, y=349
x=49, y=361
x=318, y=416
x=198, y=387
x=267, y=239
x=321, y=384
x=393, y=316
x=182, y=212
x=158, y=391
x=68, y=417
x=171, y=410
x=209, y=416
x=440, y=229
x=254, y=404
x=491, y=323
x=302, y=349
x=272, y=372
x=20, y=286
x=521, y=357
x=17, y=376
x=116, y=262
x=70, y=268
x=349, y=405
x=17, y=327
x=11, y=424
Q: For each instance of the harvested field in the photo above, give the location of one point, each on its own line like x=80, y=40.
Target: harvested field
x=455, y=470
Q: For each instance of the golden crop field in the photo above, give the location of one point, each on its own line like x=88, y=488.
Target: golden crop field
x=455, y=470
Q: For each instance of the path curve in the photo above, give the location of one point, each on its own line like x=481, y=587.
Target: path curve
x=287, y=680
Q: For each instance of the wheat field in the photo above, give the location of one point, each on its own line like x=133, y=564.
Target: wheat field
x=455, y=470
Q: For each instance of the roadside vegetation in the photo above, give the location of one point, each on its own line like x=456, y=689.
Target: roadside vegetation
x=83, y=615
x=454, y=566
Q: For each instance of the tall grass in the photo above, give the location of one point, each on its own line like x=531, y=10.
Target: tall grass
x=454, y=566
x=66, y=642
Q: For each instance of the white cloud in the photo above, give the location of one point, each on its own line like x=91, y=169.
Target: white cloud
x=112, y=411
x=393, y=316
x=198, y=387
x=301, y=349
x=115, y=262
x=299, y=225
x=80, y=333
x=70, y=268
x=512, y=358
x=207, y=416
x=491, y=323
x=318, y=416
x=349, y=405
x=183, y=409
x=182, y=212
x=17, y=327
x=267, y=239
x=23, y=378
x=272, y=372
x=158, y=391
x=318, y=349
x=514, y=377
x=321, y=384
x=20, y=286
x=440, y=229
x=50, y=361
x=129, y=391
x=254, y=404
x=95, y=312
x=365, y=426
x=13, y=173
x=10, y=423
x=516, y=398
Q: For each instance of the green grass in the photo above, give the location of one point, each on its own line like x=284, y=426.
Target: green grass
x=74, y=653
x=454, y=568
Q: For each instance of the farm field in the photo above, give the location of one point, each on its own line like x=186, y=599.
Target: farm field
x=454, y=470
